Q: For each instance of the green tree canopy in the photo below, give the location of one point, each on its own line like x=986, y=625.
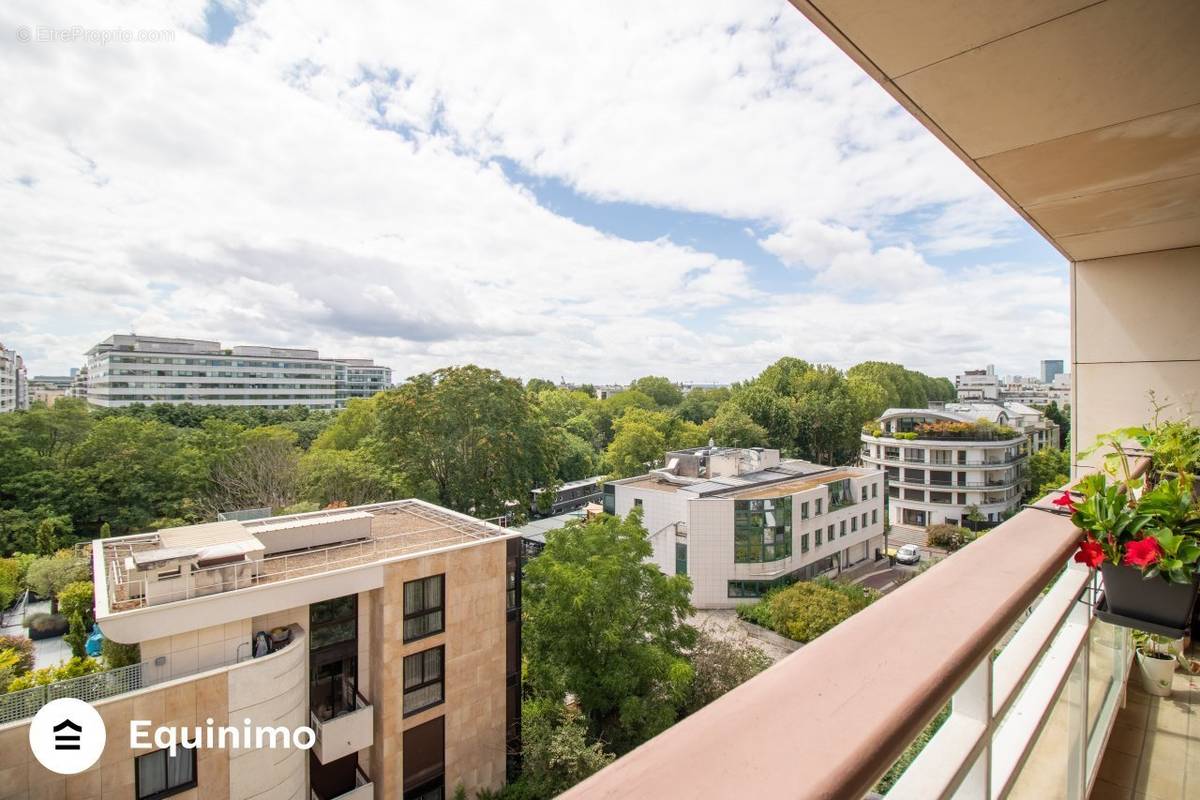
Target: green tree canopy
x=662, y=391
x=733, y=427
x=470, y=438
x=608, y=627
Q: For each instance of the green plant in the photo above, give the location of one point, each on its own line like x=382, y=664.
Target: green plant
x=117, y=655
x=805, y=610
x=1156, y=645
x=949, y=537
x=46, y=626
x=74, y=668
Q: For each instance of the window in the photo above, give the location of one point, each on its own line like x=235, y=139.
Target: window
x=762, y=530
x=874, y=490
x=637, y=502
x=681, y=558
x=829, y=533
x=864, y=519
x=424, y=761
x=853, y=524
x=423, y=680
x=804, y=543
x=817, y=512
x=424, y=607
x=160, y=774
x=843, y=528
x=874, y=516
x=840, y=494
x=864, y=492
x=804, y=510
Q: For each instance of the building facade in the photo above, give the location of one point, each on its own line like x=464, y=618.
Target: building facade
x=1051, y=370
x=571, y=496
x=14, y=389
x=740, y=522
x=127, y=369
x=943, y=462
x=392, y=630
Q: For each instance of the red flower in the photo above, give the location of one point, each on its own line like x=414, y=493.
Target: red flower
x=1090, y=553
x=1143, y=552
x=1065, y=501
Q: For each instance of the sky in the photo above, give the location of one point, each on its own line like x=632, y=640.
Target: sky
x=588, y=191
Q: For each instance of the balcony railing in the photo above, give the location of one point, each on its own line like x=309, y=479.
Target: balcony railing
x=956, y=465
x=829, y=720
x=343, y=728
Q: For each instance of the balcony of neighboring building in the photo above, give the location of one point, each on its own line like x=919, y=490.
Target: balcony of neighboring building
x=343, y=719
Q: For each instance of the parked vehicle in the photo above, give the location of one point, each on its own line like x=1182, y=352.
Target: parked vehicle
x=908, y=554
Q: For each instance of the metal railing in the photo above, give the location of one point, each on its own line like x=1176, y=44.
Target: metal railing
x=98, y=686
x=126, y=593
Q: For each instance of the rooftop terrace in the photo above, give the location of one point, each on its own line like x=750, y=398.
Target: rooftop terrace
x=178, y=564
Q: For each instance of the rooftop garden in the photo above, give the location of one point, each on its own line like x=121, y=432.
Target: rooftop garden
x=979, y=430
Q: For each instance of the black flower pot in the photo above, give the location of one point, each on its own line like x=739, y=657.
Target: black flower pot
x=1154, y=600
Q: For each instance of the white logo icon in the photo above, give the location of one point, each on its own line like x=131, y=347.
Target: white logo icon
x=67, y=736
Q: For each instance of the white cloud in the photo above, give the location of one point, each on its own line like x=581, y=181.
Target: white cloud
x=328, y=178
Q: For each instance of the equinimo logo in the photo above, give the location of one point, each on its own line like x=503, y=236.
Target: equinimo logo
x=67, y=736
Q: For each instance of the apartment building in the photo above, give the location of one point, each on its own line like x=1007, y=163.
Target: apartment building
x=360, y=377
x=393, y=630
x=13, y=384
x=48, y=388
x=977, y=384
x=127, y=369
x=941, y=462
x=740, y=521
x=570, y=496
x=1050, y=369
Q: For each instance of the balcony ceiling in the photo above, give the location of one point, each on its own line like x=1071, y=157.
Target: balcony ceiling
x=1083, y=115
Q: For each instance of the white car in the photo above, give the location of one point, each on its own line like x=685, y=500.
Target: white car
x=908, y=554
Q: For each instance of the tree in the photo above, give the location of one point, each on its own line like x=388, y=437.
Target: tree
x=470, y=438
x=1061, y=417
x=606, y=626
x=555, y=751
x=662, y=391
x=576, y=458
x=700, y=405
x=637, y=443
x=10, y=582
x=352, y=426
x=719, y=665
x=49, y=575
x=75, y=603
x=47, y=537
x=261, y=471
x=105, y=531
x=773, y=412
x=1049, y=469
x=733, y=427
x=350, y=476
x=118, y=655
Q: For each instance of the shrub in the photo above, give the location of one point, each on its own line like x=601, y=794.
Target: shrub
x=907, y=436
x=949, y=537
x=805, y=610
x=75, y=668
x=46, y=626
x=555, y=750
x=719, y=665
x=10, y=581
x=118, y=655
x=23, y=647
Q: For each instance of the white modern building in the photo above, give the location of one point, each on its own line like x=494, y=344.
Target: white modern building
x=977, y=384
x=127, y=369
x=943, y=461
x=740, y=522
x=14, y=390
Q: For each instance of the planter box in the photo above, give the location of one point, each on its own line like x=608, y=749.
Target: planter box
x=1152, y=600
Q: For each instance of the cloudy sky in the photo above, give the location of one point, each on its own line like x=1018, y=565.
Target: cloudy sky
x=577, y=189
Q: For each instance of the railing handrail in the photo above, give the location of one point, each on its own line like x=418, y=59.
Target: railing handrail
x=265, y=566
x=841, y=729
x=97, y=686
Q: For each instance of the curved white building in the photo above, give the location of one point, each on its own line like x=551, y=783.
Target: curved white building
x=940, y=462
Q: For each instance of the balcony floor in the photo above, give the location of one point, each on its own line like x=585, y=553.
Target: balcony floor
x=1153, y=752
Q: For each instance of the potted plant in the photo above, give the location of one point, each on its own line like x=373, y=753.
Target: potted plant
x=1143, y=536
x=1158, y=656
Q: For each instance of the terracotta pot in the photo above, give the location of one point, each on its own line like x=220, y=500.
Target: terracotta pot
x=1153, y=600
